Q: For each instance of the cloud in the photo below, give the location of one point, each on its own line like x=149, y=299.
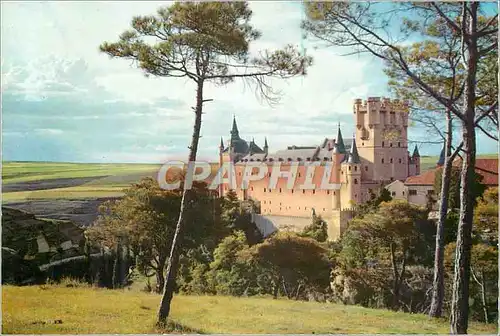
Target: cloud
x=64, y=100
x=48, y=131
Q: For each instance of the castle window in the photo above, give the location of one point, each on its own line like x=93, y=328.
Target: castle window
x=289, y=159
x=393, y=193
x=355, y=168
x=362, y=144
x=299, y=174
x=264, y=202
x=399, y=160
x=314, y=191
x=251, y=188
x=264, y=189
x=412, y=192
x=403, y=193
x=391, y=160
x=383, y=144
x=303, y=191
x=280, y=189
x=399, y=144
x=390, y=145
x=366, y=168
x=269, y=202
x=382, y=160
x=328, y=192
x=292, y=191
x=355, y=181
x=280, y=159
x=349, y=167
x=334, y=193
x=305, y=208
x=239, y=173
x=323, y=209
x=308, y=159
x=299, y=159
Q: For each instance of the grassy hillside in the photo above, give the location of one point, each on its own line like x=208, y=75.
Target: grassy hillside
x=34, y=310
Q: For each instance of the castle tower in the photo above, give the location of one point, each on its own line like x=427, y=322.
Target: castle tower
x=416, y=160
x=440, y=162
x=381, y=136
x=221, y=162
x=337, y=158
x=351, y=170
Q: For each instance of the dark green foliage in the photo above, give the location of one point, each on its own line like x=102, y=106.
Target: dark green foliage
x=318, y=230
x=454, y=193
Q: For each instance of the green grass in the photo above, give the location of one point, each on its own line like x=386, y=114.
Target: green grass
x=428, y=162
x=13, y=172
x=33, y=310
x=80, y=192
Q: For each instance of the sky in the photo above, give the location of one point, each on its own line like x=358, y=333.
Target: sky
x=63, y=100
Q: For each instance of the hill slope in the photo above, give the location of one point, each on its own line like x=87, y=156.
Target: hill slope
x=34, y=310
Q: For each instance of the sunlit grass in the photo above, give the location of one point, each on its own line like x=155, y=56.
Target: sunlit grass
x=80, y=192
x=34, y=310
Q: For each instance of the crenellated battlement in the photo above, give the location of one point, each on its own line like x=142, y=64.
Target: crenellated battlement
x=380, y=104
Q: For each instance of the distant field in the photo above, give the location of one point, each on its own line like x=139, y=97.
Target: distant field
x=428, y=162
x=52, y=180
x=33, y=310
x=15, y=172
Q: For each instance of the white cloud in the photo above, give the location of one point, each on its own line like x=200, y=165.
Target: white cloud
x=49, y=131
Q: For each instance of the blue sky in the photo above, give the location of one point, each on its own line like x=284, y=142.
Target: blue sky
x=62, y=100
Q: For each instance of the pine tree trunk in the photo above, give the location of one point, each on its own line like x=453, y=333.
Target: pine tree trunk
x=173, y=262
x=438, y=281
x=460, y=298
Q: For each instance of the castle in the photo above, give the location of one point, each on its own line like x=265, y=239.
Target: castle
x=377, y=155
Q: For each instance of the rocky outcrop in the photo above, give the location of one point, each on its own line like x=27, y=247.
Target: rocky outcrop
x=40, y=240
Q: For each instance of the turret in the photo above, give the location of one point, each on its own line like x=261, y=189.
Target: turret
x=266, y=147
x=416, y=160
x=340, y=142
x=221, y=146
x=351, y=168
x=235, y=134
x=440, y=162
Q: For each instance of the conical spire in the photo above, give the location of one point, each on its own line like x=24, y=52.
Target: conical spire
x=234, y=130
x=415, y=152
x=266, y=147
x=340, y=142
x=353, y=155
x=221, y=144
x=441, y=157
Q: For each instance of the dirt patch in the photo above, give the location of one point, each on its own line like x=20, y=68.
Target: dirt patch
x=48, y=184
x=81, y=212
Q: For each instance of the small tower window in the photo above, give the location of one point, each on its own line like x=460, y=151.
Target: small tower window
x=382, y=160
x=303, y=191
x=355, y=168
x=383, y=144
x=349, y=167
x=391, y=160
x=399, y=144
x=280, y=189
x=314, y=191
x=366, y=168
x=355, y=181
x=399, y=160
x=328, y=192
x=390, y=144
